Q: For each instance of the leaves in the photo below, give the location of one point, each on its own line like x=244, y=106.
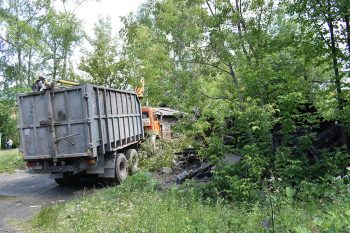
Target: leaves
x=289, y=192
x=101, y=64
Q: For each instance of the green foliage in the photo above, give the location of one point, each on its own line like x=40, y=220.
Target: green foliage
x=11, y=160
x=258, y=77
x=288, y=168
x=330, y=22
x=48, y=218
x=160, y=154
x=254, y=124
x=101, y=64
x=241, y=181
x=36, y=40
x=8, y=123
x=335, y=220
x=136, y=206
x=61, y=34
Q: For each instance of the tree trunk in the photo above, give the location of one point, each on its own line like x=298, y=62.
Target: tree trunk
x=241, y=99
x=64, y=70
x=29, y=71
x=54, y=72
x=347, y=27
x=19, y=65
x=236, y=84
x=334, y=55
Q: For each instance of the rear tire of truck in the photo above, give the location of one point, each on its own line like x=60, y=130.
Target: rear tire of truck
x=121, y=165
x=133, y=160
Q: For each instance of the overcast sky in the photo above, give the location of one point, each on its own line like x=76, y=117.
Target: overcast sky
x=90, y=11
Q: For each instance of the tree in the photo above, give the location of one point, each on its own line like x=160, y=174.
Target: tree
x=61, y=34
x=249, y=70
x=330, y=21
x=101, y=63
x=22, y=21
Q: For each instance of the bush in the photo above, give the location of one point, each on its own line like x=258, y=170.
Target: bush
x=160, y=154
x=10, y=160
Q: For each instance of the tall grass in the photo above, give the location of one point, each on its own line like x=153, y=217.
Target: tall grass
x=11, y=160
x=136, y=206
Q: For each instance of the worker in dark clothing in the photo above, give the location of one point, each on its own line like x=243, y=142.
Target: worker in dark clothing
x=41, y=84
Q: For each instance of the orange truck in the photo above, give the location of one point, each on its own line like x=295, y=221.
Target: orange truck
x=157, y=121
x=150, y=120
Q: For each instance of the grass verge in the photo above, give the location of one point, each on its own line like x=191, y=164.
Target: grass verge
x=11, y=160
x=136, y=206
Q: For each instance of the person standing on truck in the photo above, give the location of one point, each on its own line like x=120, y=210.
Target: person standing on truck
x=41, y=84
x=9, y=143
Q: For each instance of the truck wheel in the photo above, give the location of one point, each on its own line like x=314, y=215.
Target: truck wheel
x=133, y=159
x=121, y=168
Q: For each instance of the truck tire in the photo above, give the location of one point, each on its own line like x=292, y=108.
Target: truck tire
x=121, y=165
x=133, y=159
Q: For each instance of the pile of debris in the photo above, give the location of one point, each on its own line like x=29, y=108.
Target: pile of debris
x=187, y=166
x=192, y=166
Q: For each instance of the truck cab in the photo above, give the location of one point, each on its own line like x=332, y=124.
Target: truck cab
x=151, y=122
x=159, y=121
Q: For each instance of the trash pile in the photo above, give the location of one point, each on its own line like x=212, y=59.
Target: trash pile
x=188, y=165
x=193, y=167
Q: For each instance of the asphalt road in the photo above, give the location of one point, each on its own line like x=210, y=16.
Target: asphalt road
x=22, y=195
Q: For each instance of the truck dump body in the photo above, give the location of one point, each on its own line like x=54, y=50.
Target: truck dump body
x=80, y=121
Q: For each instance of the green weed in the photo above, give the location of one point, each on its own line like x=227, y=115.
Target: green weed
x=11, y=160
x=136, y=206
x=161, y=154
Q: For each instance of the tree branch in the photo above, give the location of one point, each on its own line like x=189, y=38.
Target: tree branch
x=204, y=63
x=6, y=40
x=213, y=97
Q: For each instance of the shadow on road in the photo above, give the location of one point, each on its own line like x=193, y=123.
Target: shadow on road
x=22, y=195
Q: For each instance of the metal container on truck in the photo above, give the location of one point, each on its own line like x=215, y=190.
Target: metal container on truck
x=80, y=130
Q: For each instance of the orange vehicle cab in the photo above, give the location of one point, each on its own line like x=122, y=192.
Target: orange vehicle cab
x=150, y=121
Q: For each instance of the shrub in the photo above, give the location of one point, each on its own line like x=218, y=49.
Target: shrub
x=160, y=154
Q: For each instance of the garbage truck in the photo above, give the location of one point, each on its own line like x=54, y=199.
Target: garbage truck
x=83, y=130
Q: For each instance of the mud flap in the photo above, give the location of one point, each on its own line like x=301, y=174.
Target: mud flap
x=99, y=168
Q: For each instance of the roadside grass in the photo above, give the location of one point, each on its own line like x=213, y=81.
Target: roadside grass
x=137, y=206
x=11, y=160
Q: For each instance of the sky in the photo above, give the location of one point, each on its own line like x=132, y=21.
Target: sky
x=90, y=11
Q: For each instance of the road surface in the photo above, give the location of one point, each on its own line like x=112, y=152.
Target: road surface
x=22, y=195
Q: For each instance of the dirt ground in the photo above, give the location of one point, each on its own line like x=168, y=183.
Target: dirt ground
x=22, y=195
